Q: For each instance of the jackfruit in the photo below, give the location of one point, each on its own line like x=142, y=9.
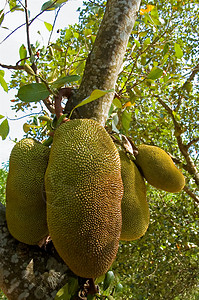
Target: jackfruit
x=158, y=169
x=135, y=209
x=25, y=203
x=84, y=191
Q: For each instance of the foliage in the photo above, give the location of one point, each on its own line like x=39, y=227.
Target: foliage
x=163, y=263
x=3, y=178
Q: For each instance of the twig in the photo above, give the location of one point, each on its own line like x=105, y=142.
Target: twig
x=191, y=194
x=54, y=24
x=12, y=67
x=39, y=14
x=192, y=142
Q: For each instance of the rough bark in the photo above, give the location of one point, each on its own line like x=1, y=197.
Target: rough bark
x=105, y=60
x=28, y=272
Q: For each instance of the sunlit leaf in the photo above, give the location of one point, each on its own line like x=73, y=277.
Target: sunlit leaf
x=126, y=120
x=117, y=103
x=63, y=293
x=96, y=94
x=4, y=129
x=178, y=51
x=1, y=117
x=49, y=26
x=52, y=5
x=33, y=92
x=1, y=19
x=155, y=73
x=3, y=84
x=49, y=5
x=22, y=52
x=12, y=4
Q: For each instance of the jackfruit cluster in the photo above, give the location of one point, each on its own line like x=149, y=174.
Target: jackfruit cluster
x=158, y=169
x=25, y=202
x=95, y=194
x=84, y=190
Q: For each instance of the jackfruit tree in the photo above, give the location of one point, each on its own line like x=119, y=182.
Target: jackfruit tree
x=134, y=71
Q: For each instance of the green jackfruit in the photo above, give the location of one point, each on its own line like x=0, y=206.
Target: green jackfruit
x=135, y=209
x=84, y=191
x=159, y=169
x=25, y=203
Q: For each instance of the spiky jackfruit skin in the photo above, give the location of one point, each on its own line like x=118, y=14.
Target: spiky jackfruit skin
x=84, y=191
x=135, y=209
x=159, y=169
x=25, y=203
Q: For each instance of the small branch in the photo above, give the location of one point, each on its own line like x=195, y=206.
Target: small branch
x=191, y=168
x=54, y=24
x=64, y=92
x=191, y=194
x=27, y=28
x=191, y=78
x=29, y=22
x=192, y=142
x=17, y=67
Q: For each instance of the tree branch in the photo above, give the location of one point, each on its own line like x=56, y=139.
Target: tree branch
x=17, y=67
x=191, y=194
x=105, y=60
x=190, y=167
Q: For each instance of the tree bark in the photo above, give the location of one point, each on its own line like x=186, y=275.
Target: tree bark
x=28, y=272
x=105, y=60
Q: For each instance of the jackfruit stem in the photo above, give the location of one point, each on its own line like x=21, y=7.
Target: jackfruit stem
x=93, y=289
x=65, y=92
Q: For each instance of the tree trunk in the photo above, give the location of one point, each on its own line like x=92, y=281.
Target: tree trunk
x=28, y=272
x=105, y=60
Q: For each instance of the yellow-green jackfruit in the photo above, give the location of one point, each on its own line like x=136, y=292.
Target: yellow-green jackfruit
x=135, y=209
x=84, y=191
x=25, y=202
x=159, y=169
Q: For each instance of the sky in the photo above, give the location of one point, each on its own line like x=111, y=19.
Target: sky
x=9, y=55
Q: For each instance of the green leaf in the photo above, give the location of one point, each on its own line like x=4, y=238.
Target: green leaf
x=4, y=129
x=155, y=73
x=63, y=293
x=137, y=43
x=146, y=42
x=166, y=48
x=63, y=80
x=33, y=92
x=3, y=84
x=73, y=285
x=61, y=1
x=119, y=287
x=1, y=117
x=117, y=103
x=1, y=19
x=96, y=94
x=49, y=26
x=109, y=277
x=126, y=120
x=22, y=52
x=12, y=4
x=178, y=51
x=49, y=5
